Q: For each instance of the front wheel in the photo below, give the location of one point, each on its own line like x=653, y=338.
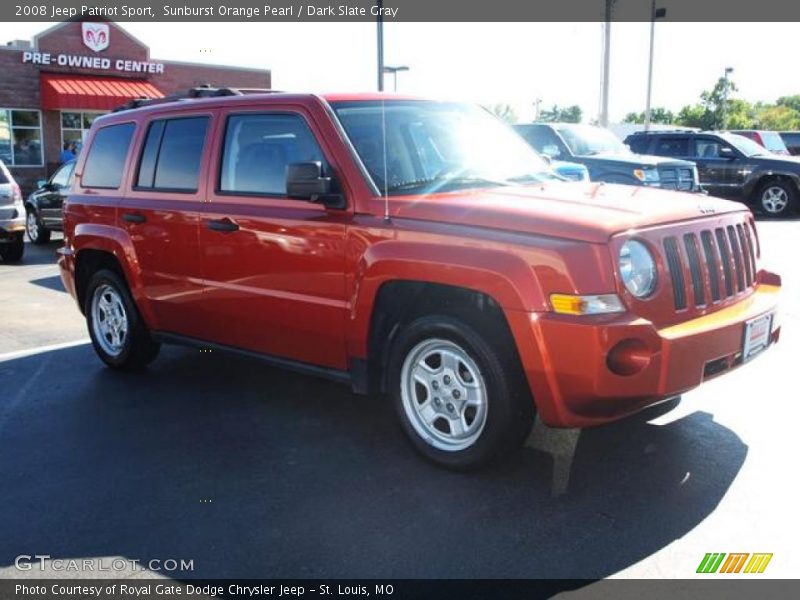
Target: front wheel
x=37, y=233
x=118, y=334
x=460, y=400
x=777, y=198
x=12, y=251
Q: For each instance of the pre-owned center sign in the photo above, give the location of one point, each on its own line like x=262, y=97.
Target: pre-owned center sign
x=84, y=61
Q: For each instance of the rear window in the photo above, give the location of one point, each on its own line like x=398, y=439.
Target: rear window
x=773, y=141
x=172, y=153
x=106, y=159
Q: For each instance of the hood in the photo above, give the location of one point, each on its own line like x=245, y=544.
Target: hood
x=636, y=160
x=777, y=162
x=590, y=212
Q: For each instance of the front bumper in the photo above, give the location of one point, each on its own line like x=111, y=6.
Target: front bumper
x=568, y=367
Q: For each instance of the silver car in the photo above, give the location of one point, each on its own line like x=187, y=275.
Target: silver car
x=12, y=218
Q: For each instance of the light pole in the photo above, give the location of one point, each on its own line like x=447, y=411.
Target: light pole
x=380, y=45
x=655, y=13
x=394, y=71
x=606, y=63
x=537, y=105
x=728, y=71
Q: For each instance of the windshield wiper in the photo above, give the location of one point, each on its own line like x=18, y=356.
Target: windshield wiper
x=445, y=181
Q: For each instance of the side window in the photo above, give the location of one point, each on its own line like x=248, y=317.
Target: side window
x=172, y=153
x=259, y=147
x=668, y=146
x=63, y=177
x=106, y=159
x=707, y=148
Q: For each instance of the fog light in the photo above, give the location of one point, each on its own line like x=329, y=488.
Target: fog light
x=629, y=357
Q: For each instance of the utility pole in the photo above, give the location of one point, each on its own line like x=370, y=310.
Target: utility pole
x=655, y=13
x=606, y=63
x=537, y=105
x=380, y=45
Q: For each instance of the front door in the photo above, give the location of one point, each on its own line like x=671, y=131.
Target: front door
x=721, y=175
x=273, y=266
x=51, y=201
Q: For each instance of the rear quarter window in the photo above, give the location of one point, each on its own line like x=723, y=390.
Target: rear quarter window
x=106, y=159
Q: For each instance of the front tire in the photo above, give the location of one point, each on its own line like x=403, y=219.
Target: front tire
x=777, y=198
x=461, y=400
x=13, y=251
x=118, y=334
x=37, y=233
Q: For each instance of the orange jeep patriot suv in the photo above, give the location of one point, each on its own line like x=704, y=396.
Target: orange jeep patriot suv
x=412, y=248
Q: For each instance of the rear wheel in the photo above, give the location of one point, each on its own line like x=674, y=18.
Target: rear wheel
x=37, y=233
x=777, y=198
x=118, y=333
x=459, y=398
x=12, y=251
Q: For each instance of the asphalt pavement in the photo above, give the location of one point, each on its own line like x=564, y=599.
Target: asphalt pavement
x=254, y=472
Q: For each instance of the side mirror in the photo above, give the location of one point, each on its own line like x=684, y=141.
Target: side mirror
x=547, y=159
x=305, y=181
x=726, y=152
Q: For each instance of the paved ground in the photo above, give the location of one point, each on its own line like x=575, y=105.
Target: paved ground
x=253, y=472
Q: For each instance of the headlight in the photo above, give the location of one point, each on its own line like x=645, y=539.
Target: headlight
x=646, y=175
x=637, y=268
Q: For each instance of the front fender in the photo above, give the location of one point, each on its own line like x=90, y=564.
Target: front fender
x=503, y=276
x=754, y=179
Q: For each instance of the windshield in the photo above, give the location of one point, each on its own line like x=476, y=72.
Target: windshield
x=773, y=142
x=586, y=140
x=744, y=145
x=437, y=146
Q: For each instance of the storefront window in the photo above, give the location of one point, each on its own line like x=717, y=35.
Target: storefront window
x=21, y=137
x=75, y=125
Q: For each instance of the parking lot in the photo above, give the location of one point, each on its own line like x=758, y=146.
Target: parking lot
x=254, y=472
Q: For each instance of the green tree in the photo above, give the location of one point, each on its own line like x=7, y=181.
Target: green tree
x=695, y=115
x=567, y=114
x=718, y=108
x=780, y=117
x=504, y=112
x=657, y=115
x=792, y=102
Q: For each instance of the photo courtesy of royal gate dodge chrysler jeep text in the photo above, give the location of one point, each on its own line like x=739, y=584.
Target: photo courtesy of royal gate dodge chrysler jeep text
x=415, y=248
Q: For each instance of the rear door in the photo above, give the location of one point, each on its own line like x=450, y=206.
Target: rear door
x=161, y=213
x=720, y=175
x=274, y=267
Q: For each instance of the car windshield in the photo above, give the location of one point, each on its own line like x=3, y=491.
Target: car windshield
x=437, y=146
x=744, y=145
x=773, y=142
x=587, y=140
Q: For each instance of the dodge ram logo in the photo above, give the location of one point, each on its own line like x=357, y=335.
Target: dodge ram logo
x=95, y=36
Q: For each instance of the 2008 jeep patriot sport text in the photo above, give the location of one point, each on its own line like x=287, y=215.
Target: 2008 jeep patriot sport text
x=411, y=247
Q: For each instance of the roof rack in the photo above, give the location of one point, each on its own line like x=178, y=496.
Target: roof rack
x=202, y=91
x=652, y=131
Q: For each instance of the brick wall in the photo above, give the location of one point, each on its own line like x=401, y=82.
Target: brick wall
x=20, y=81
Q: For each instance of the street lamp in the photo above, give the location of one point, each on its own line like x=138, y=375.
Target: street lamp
x=379, y=4
x=394, y=71
x=655, y=13
x=728, y=71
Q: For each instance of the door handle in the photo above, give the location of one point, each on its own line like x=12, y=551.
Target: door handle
x=134, y=218
x=225, y=225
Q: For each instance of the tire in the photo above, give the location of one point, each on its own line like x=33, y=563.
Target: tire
x=37, y=233
x=484, y=407
x=13, y=251
x=118, y=334
x=777, y=198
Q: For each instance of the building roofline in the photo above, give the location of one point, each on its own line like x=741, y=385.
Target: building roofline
x=116, y=25
x=211, y=66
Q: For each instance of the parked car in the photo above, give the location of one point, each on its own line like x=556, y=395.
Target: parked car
x=570, y=170
x=12, y=218
x=792, y=141
x=606, y=157
x=43, y=208
x=771, y=140
x=731, y=166
x=389, y=251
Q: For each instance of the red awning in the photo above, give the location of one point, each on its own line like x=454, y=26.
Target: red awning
x=94, y=93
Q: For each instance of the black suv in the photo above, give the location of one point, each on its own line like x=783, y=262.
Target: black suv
x=730, y=165
x=606, y=157
x=43, y=208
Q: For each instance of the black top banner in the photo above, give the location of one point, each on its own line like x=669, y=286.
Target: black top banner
x=404, y=10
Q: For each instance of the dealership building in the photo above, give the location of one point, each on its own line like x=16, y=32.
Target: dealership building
x=55, y=85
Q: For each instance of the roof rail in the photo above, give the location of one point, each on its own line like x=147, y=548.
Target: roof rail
x=202, y=91
x=652, y=131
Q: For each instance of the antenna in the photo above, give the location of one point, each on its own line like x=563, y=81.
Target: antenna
x=385, y=167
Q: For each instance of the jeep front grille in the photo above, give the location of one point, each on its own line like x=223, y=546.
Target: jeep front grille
x=713, y=264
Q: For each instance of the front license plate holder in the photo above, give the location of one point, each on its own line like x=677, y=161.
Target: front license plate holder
x=757, y=333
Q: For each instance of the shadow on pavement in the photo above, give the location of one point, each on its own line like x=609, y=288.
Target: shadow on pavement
x=253, y=472
x=51, y=283
x=37, y=255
